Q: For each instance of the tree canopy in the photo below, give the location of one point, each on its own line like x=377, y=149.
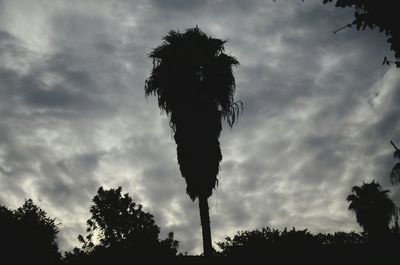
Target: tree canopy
x=118, y=230
x=376, y=14
x=28, y=235
x=268, y=241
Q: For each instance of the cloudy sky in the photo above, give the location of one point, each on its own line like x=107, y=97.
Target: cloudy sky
x=319, y=112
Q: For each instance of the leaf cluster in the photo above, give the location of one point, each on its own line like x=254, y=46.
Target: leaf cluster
x=376, y=14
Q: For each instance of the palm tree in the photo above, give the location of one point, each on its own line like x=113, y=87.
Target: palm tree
x=373, y=208
x=193, y=81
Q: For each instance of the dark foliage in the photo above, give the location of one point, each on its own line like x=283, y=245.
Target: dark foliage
x=123, y=231
x=373, y=208
x=256, y=242
x=376, y=14
x=273, y=243
x=28, y=236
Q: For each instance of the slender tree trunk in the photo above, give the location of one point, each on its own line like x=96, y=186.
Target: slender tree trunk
x=205, y=225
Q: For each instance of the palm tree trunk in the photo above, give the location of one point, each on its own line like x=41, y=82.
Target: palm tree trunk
x=205, y=225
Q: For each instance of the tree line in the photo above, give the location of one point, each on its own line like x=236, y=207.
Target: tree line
x=119, y=230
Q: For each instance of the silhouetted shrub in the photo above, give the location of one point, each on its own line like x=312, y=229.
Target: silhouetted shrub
x=123, y=232
x=28, y=235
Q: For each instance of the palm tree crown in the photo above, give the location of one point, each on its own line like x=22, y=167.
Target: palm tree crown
x=193, y=81
x=373, y=208
x=192, y=64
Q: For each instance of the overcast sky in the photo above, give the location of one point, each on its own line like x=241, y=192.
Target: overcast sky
x=319, y=112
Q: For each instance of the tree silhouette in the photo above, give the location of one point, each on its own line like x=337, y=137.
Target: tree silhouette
x=28, y=235
x=266, y=242
x=380, y=14
x=395, y=174
x=274, y=243
x=193, y=81
x=373, y=208
x=119, y=230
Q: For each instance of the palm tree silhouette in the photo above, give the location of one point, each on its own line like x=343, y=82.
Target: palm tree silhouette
x=193, y=80
x=373, y=208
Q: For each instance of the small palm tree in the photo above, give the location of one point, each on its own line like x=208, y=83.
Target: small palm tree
x=373, y=208
x=193, y=81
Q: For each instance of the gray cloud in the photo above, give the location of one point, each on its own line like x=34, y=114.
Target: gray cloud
x=178, y=4
x=319, y=112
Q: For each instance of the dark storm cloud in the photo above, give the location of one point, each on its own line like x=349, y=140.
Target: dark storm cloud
x=162, y=182
x=18, y=159
x=17, y=163
x=209, y=5
x=178, y=4
x=63, y=176
x=57, y=83
x=58, y=97
x=388, y=126
x=10, y=44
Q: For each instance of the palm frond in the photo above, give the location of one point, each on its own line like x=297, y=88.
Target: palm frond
x=352, y=198
x=234, y=111
x=357, y=190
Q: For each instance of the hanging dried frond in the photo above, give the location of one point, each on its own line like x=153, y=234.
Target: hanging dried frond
x=395, y=174
x=235, y=110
